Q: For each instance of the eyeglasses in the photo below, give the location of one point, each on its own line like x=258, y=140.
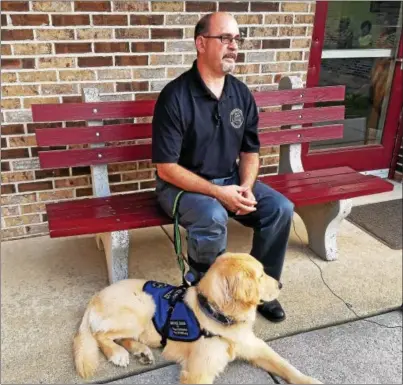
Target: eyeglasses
x=226, y=39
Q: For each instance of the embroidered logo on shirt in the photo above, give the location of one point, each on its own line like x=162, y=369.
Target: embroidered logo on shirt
x=236, y=118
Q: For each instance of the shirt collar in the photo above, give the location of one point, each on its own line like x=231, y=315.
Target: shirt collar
x=198, y=86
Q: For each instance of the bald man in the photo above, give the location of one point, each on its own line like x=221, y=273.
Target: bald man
x=205, y=120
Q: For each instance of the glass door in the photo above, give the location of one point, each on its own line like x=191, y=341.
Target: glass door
x=358, y=44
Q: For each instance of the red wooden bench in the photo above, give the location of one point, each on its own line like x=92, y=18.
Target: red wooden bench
x=321, y=197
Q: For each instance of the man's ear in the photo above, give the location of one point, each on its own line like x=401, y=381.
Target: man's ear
x=200, y=44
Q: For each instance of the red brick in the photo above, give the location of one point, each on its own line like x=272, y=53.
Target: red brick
x=264, y=7
x=92, y=6
x=18, y=63
x=148, y=184
x=114, y=178
x=81, y=170
x=35, y=186
x=15, y=6
x=276, y=43
x=31, y=127
x=131, y=60
x=3, y=143
x=228, y=6
x=84, y=192
x=71, y=99
x=146, y=19
x=95, y=61
x=5, y=49
x=109, y=19
x=198, y=6
x=75, y=124
x=148, y=47
x=124, y=187
x=26, y=20
x=147, y=96
x=35, y=150
x=132, y=33
x=7, y=189
x=130, y=6
x=3, y=20
x=60, y=172
x=5, y=166
x=72, y=48
x=17, y=34
x=12, y=129
x=132, y=86
x=167, y=33
x=241, y=58
x=15, y=153
x=62, y=20
x=112, y=47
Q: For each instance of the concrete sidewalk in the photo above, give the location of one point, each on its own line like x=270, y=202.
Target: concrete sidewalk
x=357, y=352
x=47, y=283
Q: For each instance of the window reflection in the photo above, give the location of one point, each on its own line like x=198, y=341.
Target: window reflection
x=361, y=24
x=366, y=81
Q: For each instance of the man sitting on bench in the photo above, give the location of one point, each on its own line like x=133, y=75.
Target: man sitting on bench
x=203, y=121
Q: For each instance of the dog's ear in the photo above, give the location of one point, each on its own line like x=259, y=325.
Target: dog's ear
x=242, y=288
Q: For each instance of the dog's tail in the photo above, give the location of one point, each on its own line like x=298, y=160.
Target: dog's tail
x=86, y=354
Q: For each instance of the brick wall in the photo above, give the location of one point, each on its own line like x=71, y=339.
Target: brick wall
x=130, y=50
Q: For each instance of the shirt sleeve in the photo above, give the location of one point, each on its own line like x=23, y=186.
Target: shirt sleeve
x=167, y=134
x=250, y=141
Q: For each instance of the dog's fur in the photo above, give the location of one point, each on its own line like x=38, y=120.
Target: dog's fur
x=118, y=320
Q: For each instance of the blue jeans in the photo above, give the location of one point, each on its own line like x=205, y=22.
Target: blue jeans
x=205, y=220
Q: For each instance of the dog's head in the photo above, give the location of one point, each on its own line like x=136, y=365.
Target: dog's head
x=236, y=283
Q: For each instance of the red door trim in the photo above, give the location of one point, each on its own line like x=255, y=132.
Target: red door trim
x=361, y=158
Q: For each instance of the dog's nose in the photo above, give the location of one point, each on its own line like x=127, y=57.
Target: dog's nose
x=280, y=285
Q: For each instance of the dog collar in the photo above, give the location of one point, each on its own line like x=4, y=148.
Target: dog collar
x=213, y=313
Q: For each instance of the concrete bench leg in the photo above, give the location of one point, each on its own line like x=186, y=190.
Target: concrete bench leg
x=322, y=222
x=116, y=246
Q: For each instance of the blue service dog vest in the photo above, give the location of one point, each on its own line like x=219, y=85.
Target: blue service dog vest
x=173, y=319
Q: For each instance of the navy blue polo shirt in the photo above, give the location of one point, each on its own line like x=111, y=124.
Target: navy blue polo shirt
x=194, y=129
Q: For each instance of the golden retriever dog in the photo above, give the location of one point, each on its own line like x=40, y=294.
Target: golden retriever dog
x=120, y=320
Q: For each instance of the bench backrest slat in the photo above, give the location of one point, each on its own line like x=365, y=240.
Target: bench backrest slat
x=92, y=156
x=94, y=134
x=301, y=135
x=302, y=116
x=92, y=111
x=305, y=95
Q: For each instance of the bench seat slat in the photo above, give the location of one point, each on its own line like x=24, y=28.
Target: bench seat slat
x=307, y=174
x=94, y=134
x=302, y=116
x=325, y=194
x=93, y=156
x=136, y=210
x=301, y=135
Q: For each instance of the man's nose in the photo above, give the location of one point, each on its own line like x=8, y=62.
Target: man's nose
x=280, y=285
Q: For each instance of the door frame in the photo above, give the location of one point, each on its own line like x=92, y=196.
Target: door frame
x=361, y=158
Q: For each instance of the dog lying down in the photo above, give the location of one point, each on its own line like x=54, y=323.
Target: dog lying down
x=209, y=325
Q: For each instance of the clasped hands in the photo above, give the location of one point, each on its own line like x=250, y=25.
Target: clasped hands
x=238, y=199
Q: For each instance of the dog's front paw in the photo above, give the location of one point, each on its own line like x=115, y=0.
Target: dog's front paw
x=146, y=357
x=120, y=357
x=311, y=380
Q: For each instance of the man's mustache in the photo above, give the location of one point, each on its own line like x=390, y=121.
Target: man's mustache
x=230, y=56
